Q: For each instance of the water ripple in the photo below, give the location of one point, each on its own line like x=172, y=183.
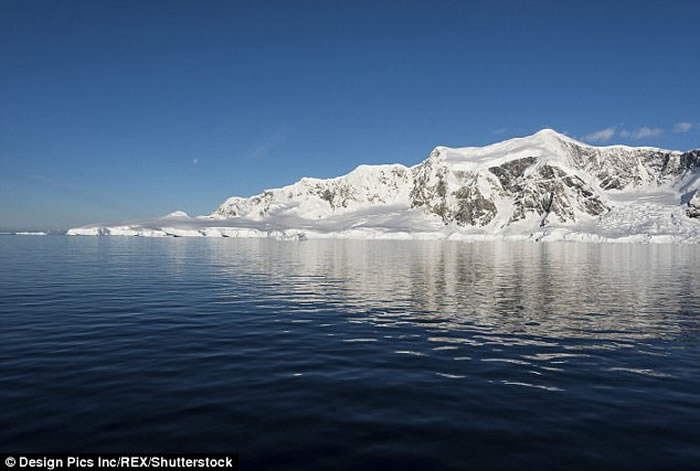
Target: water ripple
x=352, y=354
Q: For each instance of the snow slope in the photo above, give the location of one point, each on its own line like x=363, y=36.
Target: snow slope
x=542, y=187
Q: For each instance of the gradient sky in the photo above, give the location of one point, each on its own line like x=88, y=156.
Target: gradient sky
x=115, y=110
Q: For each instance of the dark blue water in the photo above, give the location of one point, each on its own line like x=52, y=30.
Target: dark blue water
x=353, y=355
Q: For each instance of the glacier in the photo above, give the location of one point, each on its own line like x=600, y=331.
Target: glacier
x=542, y=187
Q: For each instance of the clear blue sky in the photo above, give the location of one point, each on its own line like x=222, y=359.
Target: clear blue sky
x=115, y=110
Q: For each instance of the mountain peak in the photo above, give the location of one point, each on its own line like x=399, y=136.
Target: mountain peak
x=551, y=133
x=548, y=135
x=546, y=142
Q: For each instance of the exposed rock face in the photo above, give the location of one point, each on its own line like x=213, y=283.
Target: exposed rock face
x=544, y=178
x=546, y=189
x=549, y=190
x=694, y=206
x=469, y=197
x=620, y=167
x=473, y=208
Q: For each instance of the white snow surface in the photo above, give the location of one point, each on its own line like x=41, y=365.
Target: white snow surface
x=379, y=201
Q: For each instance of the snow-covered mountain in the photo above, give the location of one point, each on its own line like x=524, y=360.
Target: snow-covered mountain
x=542, y=187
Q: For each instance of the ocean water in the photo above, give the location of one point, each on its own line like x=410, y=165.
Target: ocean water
x=343, y=355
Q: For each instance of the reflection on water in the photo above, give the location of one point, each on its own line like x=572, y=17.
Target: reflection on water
x=358, y=353
x=573, y=290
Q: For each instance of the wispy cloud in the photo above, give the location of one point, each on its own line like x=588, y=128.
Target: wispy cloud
x=642, y=133
x=264, y=147
x=499, y=131
x=682, y=127
x=260, y=151
x=603, y=135
x=195, y=161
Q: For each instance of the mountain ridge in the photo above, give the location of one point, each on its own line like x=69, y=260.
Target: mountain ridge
x=546, y=186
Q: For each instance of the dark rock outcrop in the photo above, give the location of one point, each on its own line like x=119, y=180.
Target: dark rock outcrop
x=694, y=205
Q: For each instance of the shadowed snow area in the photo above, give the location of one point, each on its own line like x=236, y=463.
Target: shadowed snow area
x=542, y=187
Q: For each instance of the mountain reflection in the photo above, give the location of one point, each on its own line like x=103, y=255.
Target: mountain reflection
x=525, y=289
x=444, y=349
